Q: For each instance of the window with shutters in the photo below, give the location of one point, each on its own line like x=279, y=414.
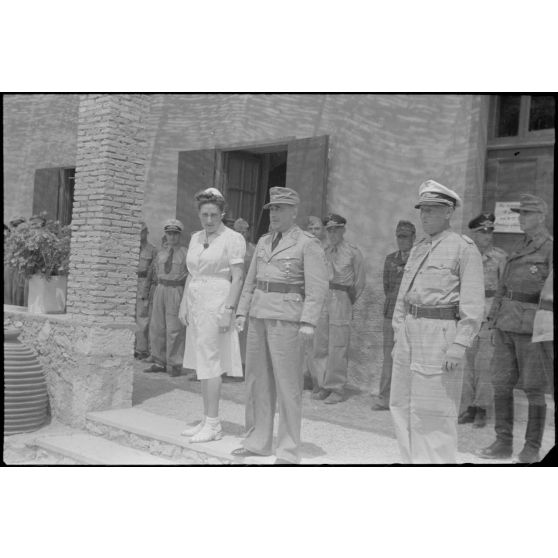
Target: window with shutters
x=54, y=193
x=246, y=173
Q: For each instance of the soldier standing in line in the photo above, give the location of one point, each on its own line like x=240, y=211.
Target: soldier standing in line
x=147, y=255
x=477, y=388
x=438, y=313
x=394, y=265
x=517, y=360
x=331, y=356
x=166, y=332
x=283, y=295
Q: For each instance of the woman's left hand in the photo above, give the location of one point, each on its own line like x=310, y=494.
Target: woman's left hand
x=225, y=320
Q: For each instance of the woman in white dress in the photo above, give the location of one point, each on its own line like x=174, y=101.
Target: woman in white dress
x=216, y=270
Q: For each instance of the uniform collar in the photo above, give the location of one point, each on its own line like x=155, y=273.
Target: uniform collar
x=435, y=239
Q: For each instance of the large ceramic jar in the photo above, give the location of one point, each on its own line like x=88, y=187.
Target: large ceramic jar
x=25, y=390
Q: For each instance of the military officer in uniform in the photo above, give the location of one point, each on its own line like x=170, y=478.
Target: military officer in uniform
x=438, y=313
x=282, y=296
x=517, y=360
x=331, y=353
x=148, y=252
x=166, y=332
x=394, y=265
x=477, y=387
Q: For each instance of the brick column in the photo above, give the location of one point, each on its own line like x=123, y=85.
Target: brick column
x=87, y=354
x=108, y=198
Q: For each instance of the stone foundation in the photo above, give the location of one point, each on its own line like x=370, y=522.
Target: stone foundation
x=88, y=366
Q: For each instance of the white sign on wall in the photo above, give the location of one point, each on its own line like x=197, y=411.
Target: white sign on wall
x=507, y=221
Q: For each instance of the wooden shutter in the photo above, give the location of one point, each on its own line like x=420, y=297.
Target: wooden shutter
x=307, y=174
x=196, y=171
x=45, y=195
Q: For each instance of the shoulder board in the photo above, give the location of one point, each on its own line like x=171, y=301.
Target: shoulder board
x=264, y=235
x=499, y=251
x=420, y=241
x=467, y=239
x=309, y=235
x=353, y=246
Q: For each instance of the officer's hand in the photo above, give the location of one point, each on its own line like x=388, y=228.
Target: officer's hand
x=240, y=321
x=453, y=357
x=306, y=331
x=183, y=315
x=225, y=320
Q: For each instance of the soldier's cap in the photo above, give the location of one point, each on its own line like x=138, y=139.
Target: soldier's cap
x=484, y=222
x=143, y=225
x=528, y=202
x=405, y=228
x=173, y=225
x=282, y=196
x=240, y=221
x=434, y=193
x=17, y=220
x=335, y=221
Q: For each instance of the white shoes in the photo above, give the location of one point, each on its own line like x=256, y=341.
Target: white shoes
x=207, y=433
x=192, y=430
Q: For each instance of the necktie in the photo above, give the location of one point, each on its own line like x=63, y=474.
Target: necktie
x=168, y=263
x=276, y=241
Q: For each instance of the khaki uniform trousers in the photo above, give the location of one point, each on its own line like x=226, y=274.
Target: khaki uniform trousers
x=331, y=343
x=274, y=358
x=385, y=379
x=142, y=319
x=425, y=399
x=477, y=385
x=166, y=332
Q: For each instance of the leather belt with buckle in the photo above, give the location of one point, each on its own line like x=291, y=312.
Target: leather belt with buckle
x=547, y=305
x=338, y=287
x=434, y=312
x=490, y=293
x=271, y=287
x=171, y=283
x=522, y=297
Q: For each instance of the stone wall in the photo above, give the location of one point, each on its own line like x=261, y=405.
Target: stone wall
x=39, y=131
x=110, y=175
x=88, y=367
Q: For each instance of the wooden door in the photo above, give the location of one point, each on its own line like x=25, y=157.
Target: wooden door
x=511, y=172
x=47, y=186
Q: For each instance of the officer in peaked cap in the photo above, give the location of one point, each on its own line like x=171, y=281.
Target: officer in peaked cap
x=438, y=313
x=331, y=358
x=476, y=396
x=394, y=265
x=166, y=332
x=282, y=296
x=517, y=361
x=147, y=255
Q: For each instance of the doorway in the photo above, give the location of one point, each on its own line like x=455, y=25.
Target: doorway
x=247, y=177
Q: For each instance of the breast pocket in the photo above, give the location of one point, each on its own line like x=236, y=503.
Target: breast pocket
x=290, y=267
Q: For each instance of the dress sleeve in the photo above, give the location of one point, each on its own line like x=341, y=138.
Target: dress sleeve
x=236, y=249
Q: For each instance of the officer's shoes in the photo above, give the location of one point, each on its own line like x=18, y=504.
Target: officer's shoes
x=321, y=394
x=497, y=450
x=528, y=455
x=155, y=368
x=334, y=398
x=480, y=418
x=467, y=416
x=379, y=407
x=174, y=371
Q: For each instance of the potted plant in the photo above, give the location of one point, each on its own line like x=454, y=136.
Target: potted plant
x=40, y=252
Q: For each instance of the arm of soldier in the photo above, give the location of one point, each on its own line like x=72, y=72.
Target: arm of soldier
x=247, y=292
x=360, y=273
x=386, y=276
x=183, y=310
x=316, y=285
x=471, y=305
x=148, y=281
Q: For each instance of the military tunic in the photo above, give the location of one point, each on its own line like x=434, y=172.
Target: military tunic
x=148, y=252
x=394, y=266
x=166, y=332
x=274, y=352
x=477, y=386
x=517, y=360
x=442, y=271
x=331, y=360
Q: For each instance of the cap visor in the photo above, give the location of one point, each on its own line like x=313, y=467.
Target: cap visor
x=268, y=205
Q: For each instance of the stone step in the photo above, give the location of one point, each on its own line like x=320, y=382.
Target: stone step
x=160, y=435
x=94, y=450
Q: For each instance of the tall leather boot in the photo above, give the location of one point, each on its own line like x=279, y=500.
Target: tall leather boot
x=503, y=424
x=533, y=434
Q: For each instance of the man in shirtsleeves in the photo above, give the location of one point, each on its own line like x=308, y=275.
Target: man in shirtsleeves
x=331, y=356
x=437, y=315
x=166, y=332
x=517, y=360
x=282, y=295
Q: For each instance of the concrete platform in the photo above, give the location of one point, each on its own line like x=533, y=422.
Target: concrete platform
x=93, y=450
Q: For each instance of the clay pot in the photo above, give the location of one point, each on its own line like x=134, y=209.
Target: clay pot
x=25, y=389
